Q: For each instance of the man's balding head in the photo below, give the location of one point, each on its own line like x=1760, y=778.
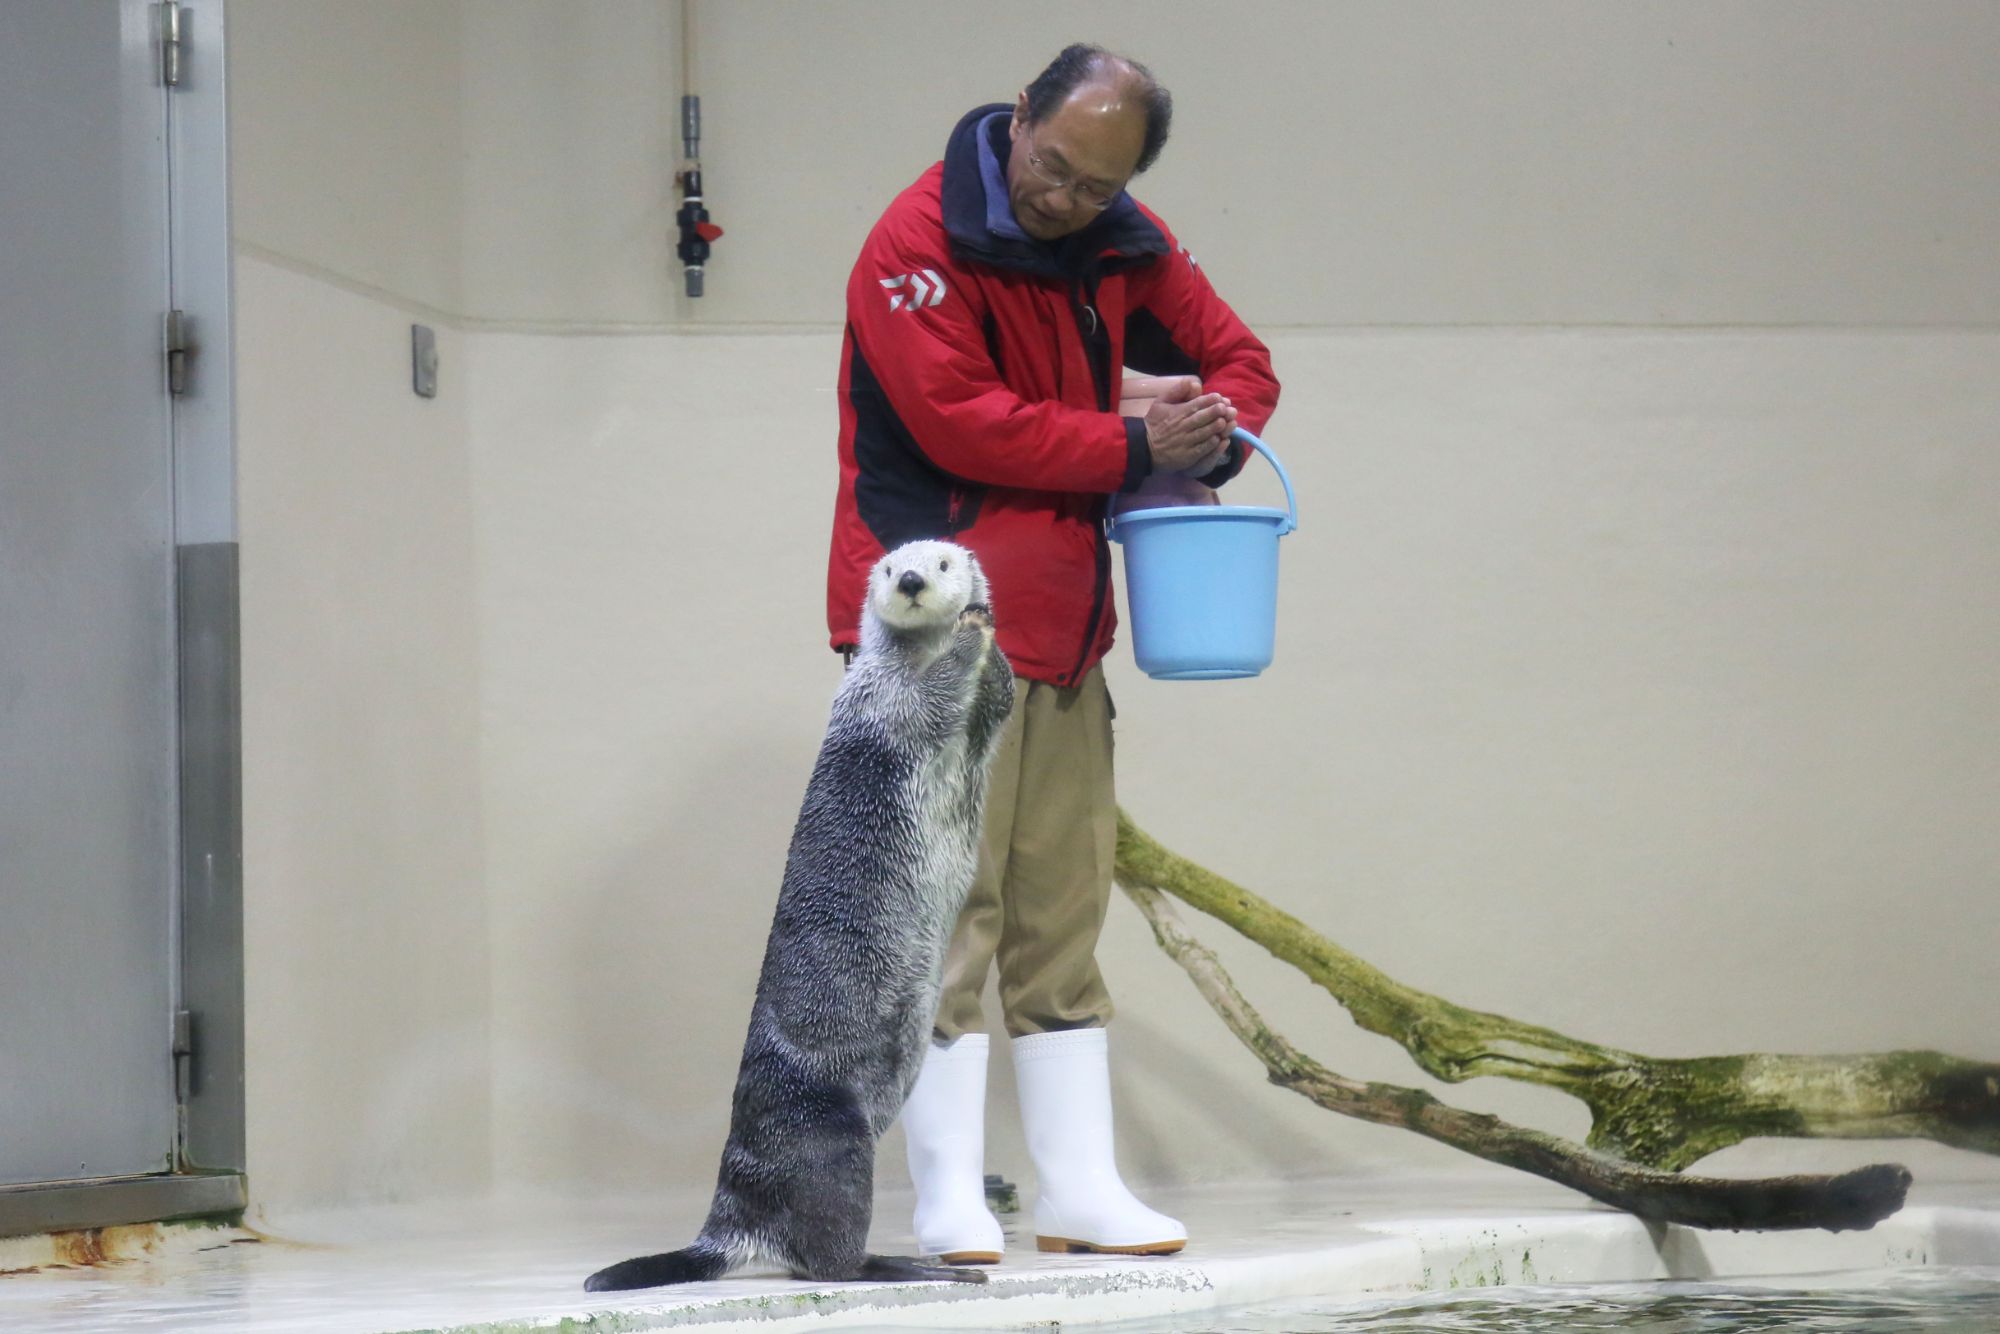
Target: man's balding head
x=1091, y=120
x=1081, y=64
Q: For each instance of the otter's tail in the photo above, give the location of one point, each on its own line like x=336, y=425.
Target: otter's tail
x=696, y=1263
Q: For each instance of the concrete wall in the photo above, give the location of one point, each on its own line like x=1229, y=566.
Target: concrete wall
x=1633, y=674
x=368, y=1026
x=347, y=143
x=368, y=1018
x=1627, y=682
x=1370, y=162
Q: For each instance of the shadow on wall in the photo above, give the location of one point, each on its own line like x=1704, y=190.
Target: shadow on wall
x=619, y=1032
x=629, y=989
x=1154, y=1095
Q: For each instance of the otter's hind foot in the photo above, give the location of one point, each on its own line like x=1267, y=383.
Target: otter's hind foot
x=905, y=1269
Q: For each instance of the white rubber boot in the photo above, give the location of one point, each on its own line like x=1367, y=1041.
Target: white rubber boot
x=1082, y=1203
x=944, y=1125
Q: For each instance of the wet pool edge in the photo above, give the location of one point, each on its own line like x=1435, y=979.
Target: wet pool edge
x=1369, y=1261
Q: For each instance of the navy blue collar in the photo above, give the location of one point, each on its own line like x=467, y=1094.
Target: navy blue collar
x=979, y=218
x=987, y=136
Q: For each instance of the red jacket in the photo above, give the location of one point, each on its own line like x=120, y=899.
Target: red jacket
x=978, y=388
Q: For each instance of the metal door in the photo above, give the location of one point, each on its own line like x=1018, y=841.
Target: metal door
x=88, y=747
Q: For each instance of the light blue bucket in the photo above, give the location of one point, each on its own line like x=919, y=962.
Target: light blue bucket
x=1201, y=583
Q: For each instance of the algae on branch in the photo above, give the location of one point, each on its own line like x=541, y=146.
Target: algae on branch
x=1650, y=1117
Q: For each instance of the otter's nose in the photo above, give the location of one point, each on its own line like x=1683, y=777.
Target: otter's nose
x=911, y=582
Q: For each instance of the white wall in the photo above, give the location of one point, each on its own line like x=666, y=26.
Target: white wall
x=571, y=128
x=1369, y=162
x=1632, y=680
x=368, y=1029
x=346, y=139
x=652, y=609
x=1631, y=683
x=366, y=938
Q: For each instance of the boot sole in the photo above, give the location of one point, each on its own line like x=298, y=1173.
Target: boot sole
x=1064, y=1245
x=971, y=1257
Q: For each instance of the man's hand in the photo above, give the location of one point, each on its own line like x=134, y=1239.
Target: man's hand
x=1188, y=431
x=1204, y=466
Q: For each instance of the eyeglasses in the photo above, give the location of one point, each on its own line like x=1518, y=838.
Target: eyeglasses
x=1088, y=196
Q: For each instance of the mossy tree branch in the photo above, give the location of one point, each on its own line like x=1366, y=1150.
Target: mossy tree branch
x=1856, y=1199
x=1661, y=1113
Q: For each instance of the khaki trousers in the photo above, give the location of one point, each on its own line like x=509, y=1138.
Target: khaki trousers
x=1044, y=880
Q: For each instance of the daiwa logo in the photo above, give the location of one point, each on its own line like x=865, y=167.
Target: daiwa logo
x=924, y=286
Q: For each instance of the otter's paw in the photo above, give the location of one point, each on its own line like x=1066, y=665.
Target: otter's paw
x=978, y=614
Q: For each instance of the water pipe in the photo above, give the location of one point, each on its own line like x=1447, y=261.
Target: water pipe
x=696, y=231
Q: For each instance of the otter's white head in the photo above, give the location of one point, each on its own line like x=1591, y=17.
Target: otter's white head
x=925, y=585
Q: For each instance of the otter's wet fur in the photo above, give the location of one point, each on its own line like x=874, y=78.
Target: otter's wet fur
x=880, y=864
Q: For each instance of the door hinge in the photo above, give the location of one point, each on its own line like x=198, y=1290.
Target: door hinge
x=178, y=350
x=183, y=1054
x=171, y=21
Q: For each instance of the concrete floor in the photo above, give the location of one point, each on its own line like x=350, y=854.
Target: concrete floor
x=519, y=1264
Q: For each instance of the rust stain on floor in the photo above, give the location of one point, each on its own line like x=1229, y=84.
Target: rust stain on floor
x=104, y=1245
x=90, y=1248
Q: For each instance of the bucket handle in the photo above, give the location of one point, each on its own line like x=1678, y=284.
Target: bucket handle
x=1291, y=501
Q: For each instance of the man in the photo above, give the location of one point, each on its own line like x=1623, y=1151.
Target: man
x=988, y=317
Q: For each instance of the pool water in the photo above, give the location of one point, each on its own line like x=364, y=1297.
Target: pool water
x=1963, y=1301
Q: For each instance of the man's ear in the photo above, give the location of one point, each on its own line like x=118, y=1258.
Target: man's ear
x=1020, y=121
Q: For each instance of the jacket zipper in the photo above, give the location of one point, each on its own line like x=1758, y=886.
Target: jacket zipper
x=1098, y=355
